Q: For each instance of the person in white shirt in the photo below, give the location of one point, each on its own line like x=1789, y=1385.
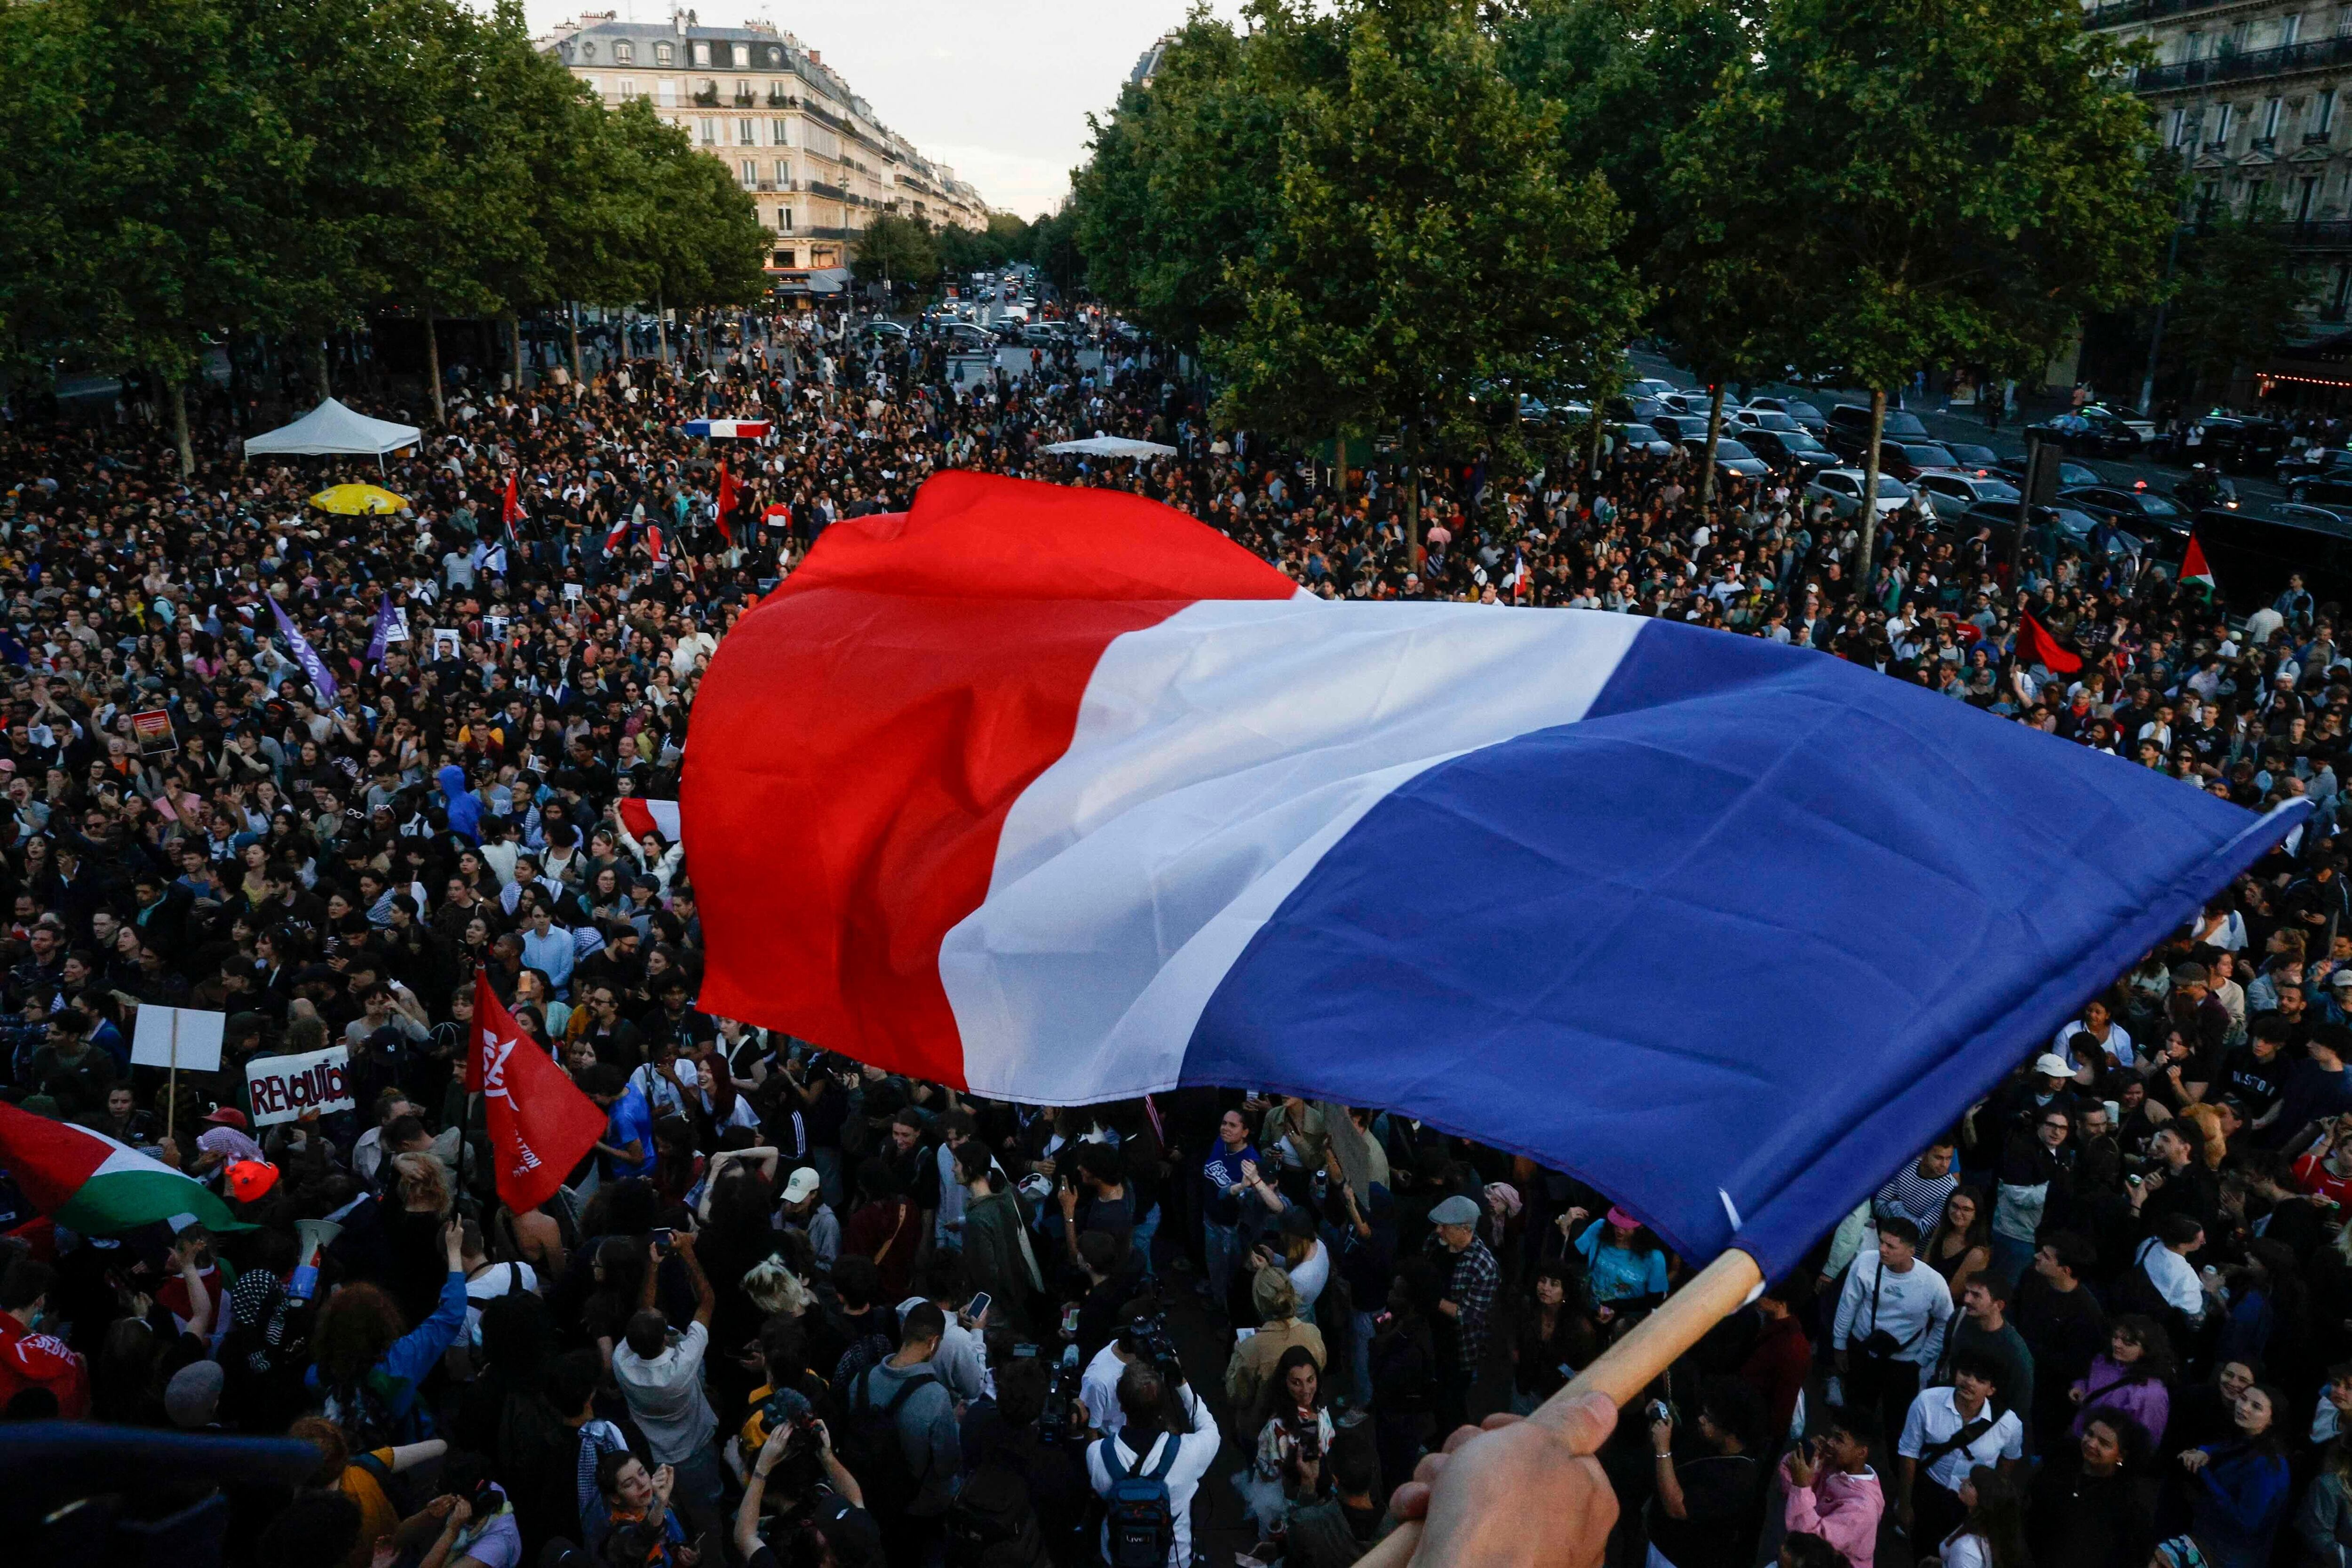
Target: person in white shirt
x=1890, y=1324
x=2164, y=1259
x=2090, y=1040
x=1099, y=1389
x=1143, y=1402
x=1947, y=1433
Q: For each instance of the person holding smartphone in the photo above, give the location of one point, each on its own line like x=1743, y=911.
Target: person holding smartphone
x=1832, y=1492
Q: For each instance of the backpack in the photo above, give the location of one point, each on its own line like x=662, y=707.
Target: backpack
x=993, y=1524
x=1140, y=1518
x=870, y=1449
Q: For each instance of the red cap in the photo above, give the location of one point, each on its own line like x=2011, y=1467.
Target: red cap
x=227, y=1116
x=250, y=1179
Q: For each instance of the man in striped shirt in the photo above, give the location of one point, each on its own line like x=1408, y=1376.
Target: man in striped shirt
x=1917, y=1191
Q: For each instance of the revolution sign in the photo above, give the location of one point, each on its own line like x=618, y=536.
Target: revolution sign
x=283, y=1088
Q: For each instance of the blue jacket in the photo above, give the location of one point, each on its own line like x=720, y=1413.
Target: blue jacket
x=2235, y=1505
x=391, y=1383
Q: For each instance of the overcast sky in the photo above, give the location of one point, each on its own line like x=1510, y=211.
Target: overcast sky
x=998, y=89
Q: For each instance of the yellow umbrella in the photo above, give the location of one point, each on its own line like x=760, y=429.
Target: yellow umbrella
x=351, y=501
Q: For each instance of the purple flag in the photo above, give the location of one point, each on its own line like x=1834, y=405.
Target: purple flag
x=385, y=623
x=304, y=654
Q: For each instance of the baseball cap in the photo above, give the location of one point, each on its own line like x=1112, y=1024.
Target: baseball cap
x=227, y=1116
x=193, y=1396
x=2188, y=975
x=250, y=1179
x=1456, y=1210
x=800, y=1184
x=2049, y=1064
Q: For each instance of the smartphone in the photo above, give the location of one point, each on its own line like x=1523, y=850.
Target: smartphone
x=664, y=1235
x=978, y=1306
x=1070, y=1319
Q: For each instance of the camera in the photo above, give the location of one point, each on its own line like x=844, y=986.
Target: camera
x=1054, y=1421
x=1659, y=1410
x=1148, y=1339
x=1310, y=1445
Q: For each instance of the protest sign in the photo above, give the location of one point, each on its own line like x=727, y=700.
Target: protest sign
x=178, y=1037
x=282, y=1088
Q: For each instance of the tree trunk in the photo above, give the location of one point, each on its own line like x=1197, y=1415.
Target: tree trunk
x=320, y=377
x=514, y=338
x=1339, y=467
x=661, y=330
x=175, y=394
x=1412, y=518
x=572, y=319
x=1714, y=434
x=433, y=365
x=1870, y=491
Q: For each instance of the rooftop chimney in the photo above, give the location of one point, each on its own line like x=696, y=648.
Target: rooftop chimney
x=815, y=58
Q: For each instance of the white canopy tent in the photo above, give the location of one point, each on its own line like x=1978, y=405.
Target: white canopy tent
x=1113, y=447
x=331, y=428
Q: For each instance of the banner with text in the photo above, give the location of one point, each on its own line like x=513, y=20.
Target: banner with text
x=283, y=1088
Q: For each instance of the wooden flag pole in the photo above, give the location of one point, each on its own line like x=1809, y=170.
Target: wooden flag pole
x=171, y=1084
x=1623, y=1372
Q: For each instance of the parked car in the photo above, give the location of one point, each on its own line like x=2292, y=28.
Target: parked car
x=883, y=326
x=1908, y=459
x=2070, y=475
x=2139, y=512
x=1850, y=429
x=2240, y=445
x=1953, y=491
x=1642, y=439
x=1650, y=386
x=1841, y=488
x=2090, y=431
x=2322, y=491
x=1792, y=452
x=1973, y=458
x=1731, y=458
x=2313, y=463
x=1689, y=400
x=1796, y=408
x=2076, y=526
x=1681, y=427
x=1760, y=419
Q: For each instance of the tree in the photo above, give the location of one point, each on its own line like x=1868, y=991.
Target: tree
x=1937, y=181
x=2236, y=301
x=1427, y=251
x=896, y=249
x=1181, y=183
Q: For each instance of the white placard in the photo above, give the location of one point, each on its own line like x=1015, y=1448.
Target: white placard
x=198, y=1049
x=280, y=1089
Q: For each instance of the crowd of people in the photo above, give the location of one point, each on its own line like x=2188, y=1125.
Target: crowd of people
x=795, y=1307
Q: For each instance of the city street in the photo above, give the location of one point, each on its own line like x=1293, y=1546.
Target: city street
x=1968, y=425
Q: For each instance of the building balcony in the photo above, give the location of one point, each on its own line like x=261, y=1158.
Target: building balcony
x=707, y=99
x=782, y=100
x=2318, y=233
x=745, y=100
x=2319, y=54
x=2117, y=13
x=831, y=193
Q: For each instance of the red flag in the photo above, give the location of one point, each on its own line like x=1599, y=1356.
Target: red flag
x=511, y=512
x=657, y=544
x=728, y=501
x=2036, y=645
x=541, y=1125
x=619, y=532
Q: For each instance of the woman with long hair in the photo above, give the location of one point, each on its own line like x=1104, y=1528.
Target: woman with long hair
x=1622, y=1261
x=2322, y=1524
x=2129, y=1381
x=366, y=1370
x=2093, y=1505
x=2237, y=1490
x=1961, y=1244
x=1992, y=1533
x=1294, y=1439
x=1556, y=1339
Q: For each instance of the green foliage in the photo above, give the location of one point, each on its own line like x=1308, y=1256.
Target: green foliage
x=178, y=170
x=900, y=249
x=2237, y=300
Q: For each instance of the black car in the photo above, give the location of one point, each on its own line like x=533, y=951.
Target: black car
x=2240, y=446
x=2070, y=475
x=2326, y=492
x=1731, y=458
x=1681, y=427
x=1850, y=429
x=1791, y=452
x=2141, y=512
x=1796, y=408
x=2074, y=524
x=2090, y=431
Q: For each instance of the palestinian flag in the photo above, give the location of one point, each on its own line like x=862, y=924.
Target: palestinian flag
x=86, y=1182
x=2193, y=568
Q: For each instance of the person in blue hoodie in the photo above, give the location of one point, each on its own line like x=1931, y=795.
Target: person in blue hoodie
x=465, y=811
x=368, y=1371
x=2237, y=1491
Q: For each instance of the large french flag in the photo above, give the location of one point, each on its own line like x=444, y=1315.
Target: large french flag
x=1059, y=795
